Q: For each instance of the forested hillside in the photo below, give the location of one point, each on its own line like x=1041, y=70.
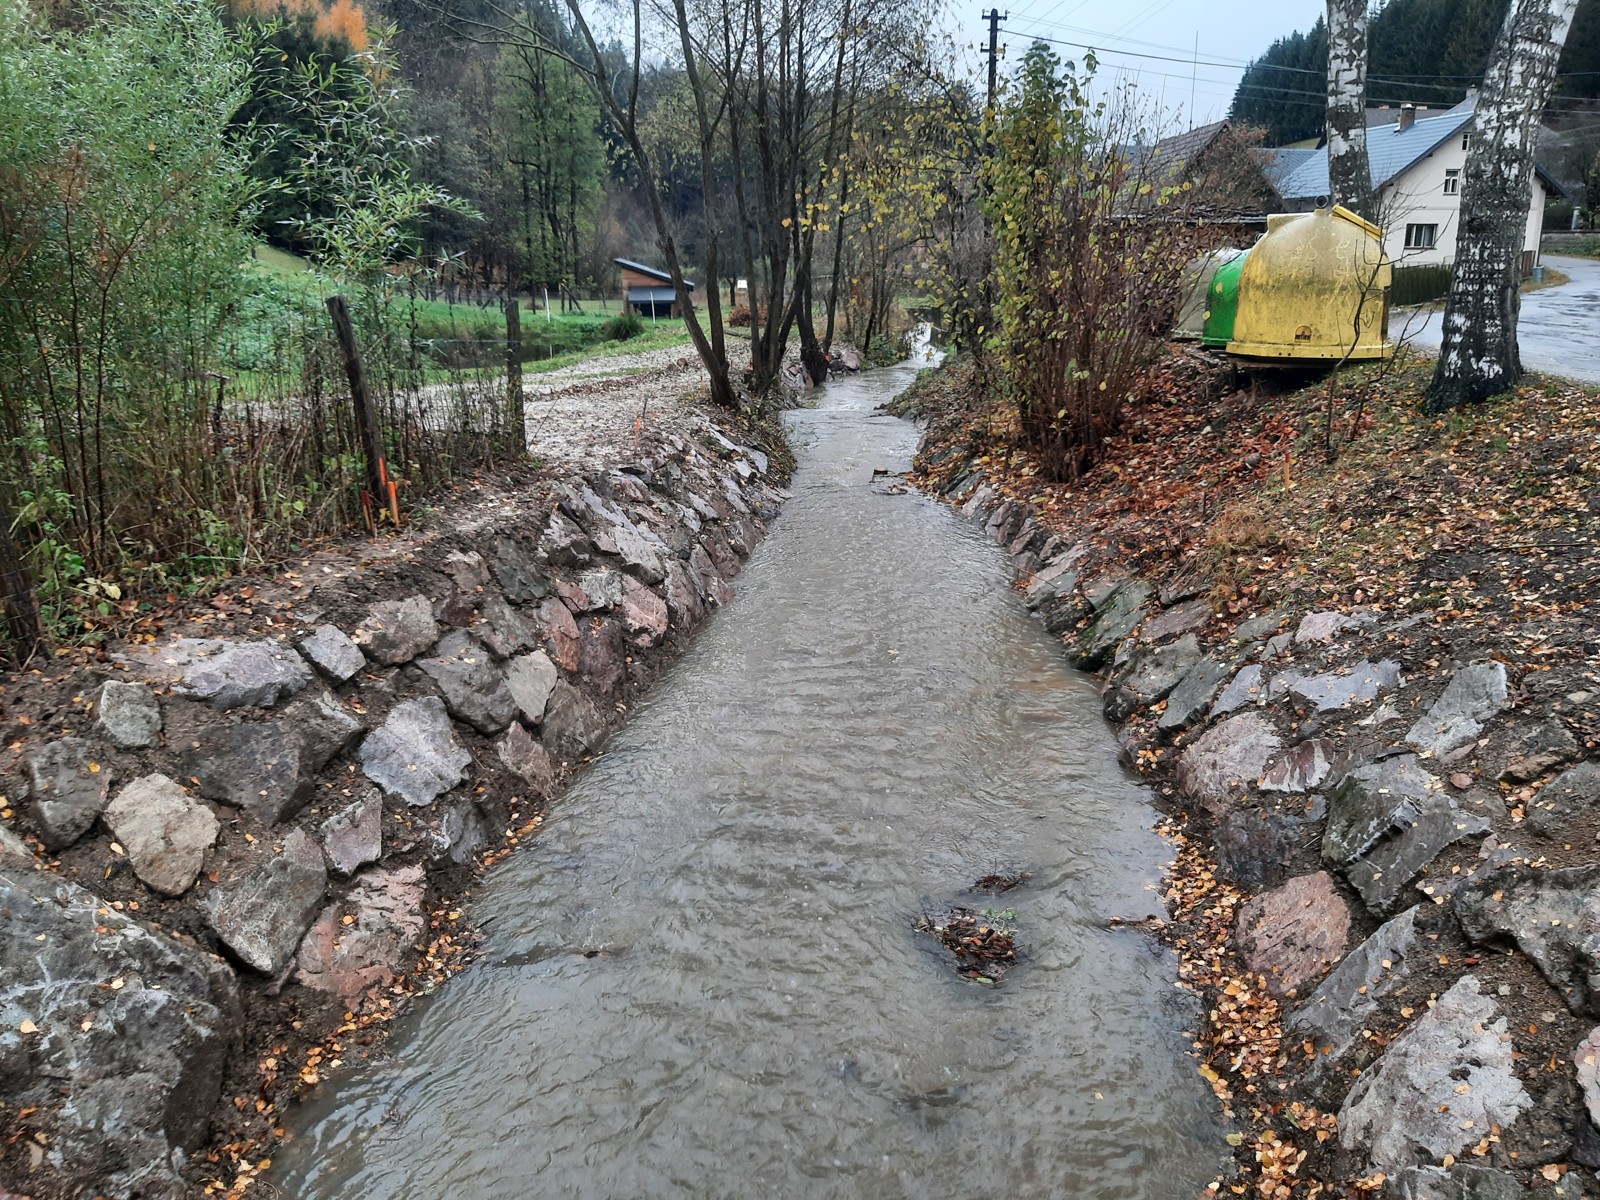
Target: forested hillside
x=1426, y=52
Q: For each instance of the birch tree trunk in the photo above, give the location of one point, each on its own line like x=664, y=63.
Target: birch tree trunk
x=1349, y=179
x=1478, y=357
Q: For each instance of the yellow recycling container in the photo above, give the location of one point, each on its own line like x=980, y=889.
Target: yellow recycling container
x=1316, y=287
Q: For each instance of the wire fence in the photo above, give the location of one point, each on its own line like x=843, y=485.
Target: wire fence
x=154, y=474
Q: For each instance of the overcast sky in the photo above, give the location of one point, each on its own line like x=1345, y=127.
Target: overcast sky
x=1153, y=40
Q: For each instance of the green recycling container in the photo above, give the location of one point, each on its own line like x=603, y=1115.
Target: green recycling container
x=1222, y=303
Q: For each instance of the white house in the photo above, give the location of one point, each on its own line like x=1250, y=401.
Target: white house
x=1417, y=166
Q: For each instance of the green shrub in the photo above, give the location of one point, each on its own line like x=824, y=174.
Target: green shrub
x=622, y=327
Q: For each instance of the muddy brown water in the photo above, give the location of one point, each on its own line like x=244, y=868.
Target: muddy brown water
x=874, y=724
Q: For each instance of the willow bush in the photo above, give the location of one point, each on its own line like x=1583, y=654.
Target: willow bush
x=1090, y=243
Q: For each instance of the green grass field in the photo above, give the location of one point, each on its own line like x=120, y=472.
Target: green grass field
x=452, y=338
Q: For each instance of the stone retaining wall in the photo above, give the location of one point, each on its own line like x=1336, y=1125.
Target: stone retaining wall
x=221, y=837
x=1410, y=827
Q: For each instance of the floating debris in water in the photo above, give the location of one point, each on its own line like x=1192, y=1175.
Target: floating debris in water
x=1001, y=881
x=982, y=943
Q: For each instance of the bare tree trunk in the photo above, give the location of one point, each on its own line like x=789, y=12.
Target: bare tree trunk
x=625, y=115
x=1349, y=178
x=19, y=606
x=1479, y=357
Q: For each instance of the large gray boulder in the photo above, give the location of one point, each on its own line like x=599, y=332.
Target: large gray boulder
x=1560, y=809
x=596, y=590
x=1457, y=717
x=263, y=909
x=466, y=569
x=1114, y=620
x=1463, y=1181
x=1222, y=762
x=396, y=631
x=1183, y=618
x=1053, y=579
x=1534, y=749
x=1586, y=1058
x=530, y=678
x=414, y=753
x=564, y=544
x=1343, y=1004
x=1410, y=1108
x=1325, y=626
x=165, y=831
x=128, y=1033
x=333, y=653
x=503, y=629
x=1551, y=915
x=1243, y=689
x=1153, y=672
x=129, y=715
x=353, y=836
x=472, y=684
x=517, y=571
x=326, y=728
x=67, y=790
x=573, y=726
x=1254, y=845
x=1344, y=688
x=613, y=532
x=259, y=767
x=268, y=768
x=245, y=674
x=1194, y=693
x=1386, y=822
x=685, y=599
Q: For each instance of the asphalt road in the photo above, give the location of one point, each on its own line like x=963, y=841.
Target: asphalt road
x=1559, y=331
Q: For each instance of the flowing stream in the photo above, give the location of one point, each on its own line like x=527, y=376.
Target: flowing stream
x=874, y=724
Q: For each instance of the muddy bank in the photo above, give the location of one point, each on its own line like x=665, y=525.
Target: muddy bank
x=235, y=846
x=1385, y=815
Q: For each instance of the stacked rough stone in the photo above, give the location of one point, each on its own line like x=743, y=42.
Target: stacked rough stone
x=310, y=784
x=1292, y=732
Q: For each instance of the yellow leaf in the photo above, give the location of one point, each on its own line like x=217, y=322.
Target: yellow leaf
x=28, y=1027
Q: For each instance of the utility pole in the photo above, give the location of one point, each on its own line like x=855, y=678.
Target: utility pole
x=1194, y=74
x=994, y=18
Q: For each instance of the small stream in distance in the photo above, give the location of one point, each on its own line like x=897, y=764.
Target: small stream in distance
x=874, y=724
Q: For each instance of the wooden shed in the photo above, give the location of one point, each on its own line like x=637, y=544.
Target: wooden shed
x=648, y=291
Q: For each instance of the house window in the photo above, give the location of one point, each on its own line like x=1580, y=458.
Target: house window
x=1421, y=237
x=1452, y=182
x=1464, y=139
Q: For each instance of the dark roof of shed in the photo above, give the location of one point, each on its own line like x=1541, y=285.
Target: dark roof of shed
x=653, y=272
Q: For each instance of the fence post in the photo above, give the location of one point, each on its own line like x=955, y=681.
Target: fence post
x=378, y=485
x=514, y=407
x=21, y=606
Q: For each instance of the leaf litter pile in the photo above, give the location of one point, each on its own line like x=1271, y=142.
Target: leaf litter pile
x=982, y=944
x=1268, y=499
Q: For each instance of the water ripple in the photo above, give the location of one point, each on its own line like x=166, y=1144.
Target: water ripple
x=873, y=725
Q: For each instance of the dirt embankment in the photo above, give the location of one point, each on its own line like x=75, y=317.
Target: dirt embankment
x=1365, y=691
x=236, y=843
